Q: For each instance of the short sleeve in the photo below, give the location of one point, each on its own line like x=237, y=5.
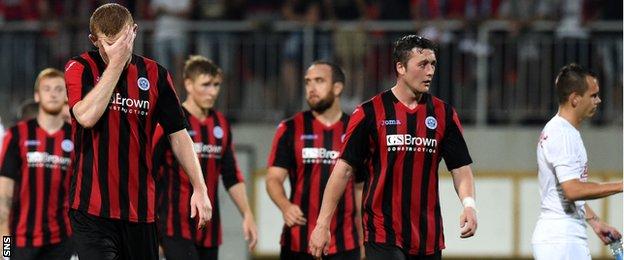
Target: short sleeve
x=230, y=173
x=10, y=159
x=453, y=146
x=74, y=82
x=355, y=150
x=171, y=116
x=560, y=151
x=282, y=149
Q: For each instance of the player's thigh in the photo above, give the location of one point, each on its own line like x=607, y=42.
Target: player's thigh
x=94, y=238
x=376, y=251
x=286, y=254
x=179, y=249
x=208, y=253
x=139, y=240
x=561, y=251
x=353, y=254
x=24, y=253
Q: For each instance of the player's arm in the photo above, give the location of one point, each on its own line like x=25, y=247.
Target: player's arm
x=575, y=189
x=359, y=190
x=605, y=232
x=463, y=180
x=89, y=110
x=182, y=147
x=6, y=199
x=291, y=213
x=10, y=162
x=238, y=194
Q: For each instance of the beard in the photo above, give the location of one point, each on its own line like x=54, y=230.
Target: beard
x=323, y=104
x=52, y=110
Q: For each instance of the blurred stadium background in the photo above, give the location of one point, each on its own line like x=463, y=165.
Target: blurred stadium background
x=496, y=64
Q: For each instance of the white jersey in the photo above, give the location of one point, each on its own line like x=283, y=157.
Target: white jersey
x=561, y=157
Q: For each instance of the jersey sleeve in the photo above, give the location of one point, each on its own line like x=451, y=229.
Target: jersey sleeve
x=453, y=146
x=171, y=116
x=230, y=173
x=355, y=150
x=282, y=150
x=10, y=159
x=74, y=82
x=560, y=151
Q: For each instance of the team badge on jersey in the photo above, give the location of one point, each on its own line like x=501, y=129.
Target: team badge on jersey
x=67, y=145
x=143, y=83
x=217, y=131
x=431, y=122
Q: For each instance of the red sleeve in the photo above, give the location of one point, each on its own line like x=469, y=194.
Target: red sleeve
x=73, y=81
x=10, y=159
x=282, y=149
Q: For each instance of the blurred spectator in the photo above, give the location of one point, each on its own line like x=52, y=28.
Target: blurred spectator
x=170, y=35
x=263, y=10
x=349, y=46
x=306, y=13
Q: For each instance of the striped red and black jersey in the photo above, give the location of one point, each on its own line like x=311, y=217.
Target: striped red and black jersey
x=403, y=148
x=308, y=150
x=112, y=170
x=40, y=165
x=212, y=138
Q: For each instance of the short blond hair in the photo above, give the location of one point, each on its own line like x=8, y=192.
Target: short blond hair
x=197, y=65
x=48, y=73
x=109, y=19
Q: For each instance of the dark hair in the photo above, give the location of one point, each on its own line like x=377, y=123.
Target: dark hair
x=338, y=74
x=28, y=110
x=572, y=78
x=403, y=47
x=197, y=65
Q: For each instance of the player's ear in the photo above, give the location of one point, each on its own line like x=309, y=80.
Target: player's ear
x=188, y=84
x=37, y=97
x=400, y=68
x=574, y=99
x=337, y=88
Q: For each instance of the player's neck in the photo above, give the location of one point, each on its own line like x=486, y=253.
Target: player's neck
x=569, y=115
x=49, y=122
x=196, y=110
x=331, y=115
x=406, y=96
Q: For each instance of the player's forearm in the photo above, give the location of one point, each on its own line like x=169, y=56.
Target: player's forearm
x=182, y=147
x=463, y=180
x=333, y=192
x=6, y=200
x=90, y=109
x=275, y=189
x=239, y=196
x=590, y=190
x=359, y=188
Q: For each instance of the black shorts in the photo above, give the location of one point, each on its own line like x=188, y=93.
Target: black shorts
x=353, y=254
x=184, y=249
x=100, y=238
x=60, y=251
x=375, y=251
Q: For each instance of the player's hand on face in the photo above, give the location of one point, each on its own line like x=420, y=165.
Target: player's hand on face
x=201, y=207
x=250, y=232
x=468, y=222
x=293, y=216
x=319, y=241
x=120, y=51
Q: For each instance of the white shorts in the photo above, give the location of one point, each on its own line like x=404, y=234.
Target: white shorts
x=561, y=251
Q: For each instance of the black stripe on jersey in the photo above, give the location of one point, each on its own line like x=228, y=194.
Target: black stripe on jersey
x=16, y=207
x=32, y=184
x=307, y=173
x=61, y=196
x=289, y=137
x=124, y=151
x=448, y=110
x=175, y=200
x=47, y=180
x=424, y=187
x=81, y=147
x=386, y=208
x=142, y=123
x=103, y=145
x=408, y=171
x=367, y=199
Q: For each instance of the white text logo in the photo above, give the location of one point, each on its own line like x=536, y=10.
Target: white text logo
x=129, y=105
x=406, y=142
